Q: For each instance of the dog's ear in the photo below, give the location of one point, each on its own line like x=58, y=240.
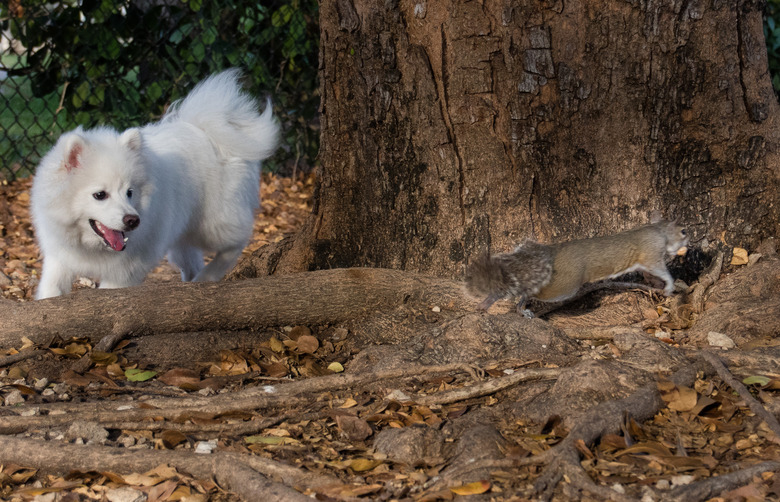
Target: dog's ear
x=74, y=151
x=132, y=139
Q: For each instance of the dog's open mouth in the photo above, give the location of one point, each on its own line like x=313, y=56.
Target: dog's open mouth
x=114, y=239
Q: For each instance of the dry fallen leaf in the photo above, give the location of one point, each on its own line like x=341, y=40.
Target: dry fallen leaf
x=171, y=438
x=677, y=398
x=181, y=377
x=363, y=464
x=353, y=428
x=474, y=488
x=307, y=344
x=739, y=256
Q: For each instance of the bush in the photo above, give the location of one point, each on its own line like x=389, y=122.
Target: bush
x=772, y=36
x=122, y=63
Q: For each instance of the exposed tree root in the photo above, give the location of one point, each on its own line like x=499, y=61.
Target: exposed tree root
x=602, y=419
x=566, y=465
x=310, y=298
x=563, y=458
x=172, y=410
x=487, y=387
x=685, y=307
x=707, y=279
x=246, y=476
x=336, y=295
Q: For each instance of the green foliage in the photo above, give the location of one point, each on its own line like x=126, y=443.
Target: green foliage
x=122, y=63
x=772, y=35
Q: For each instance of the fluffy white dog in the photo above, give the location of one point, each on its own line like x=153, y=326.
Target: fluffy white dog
x=110, y=205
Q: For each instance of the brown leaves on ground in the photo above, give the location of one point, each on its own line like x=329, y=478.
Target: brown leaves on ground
x=701, y=433
x=163, y=483
x=19, y=256
x=704, y=430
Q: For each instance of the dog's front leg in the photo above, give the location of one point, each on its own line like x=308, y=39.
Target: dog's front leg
x=56, y=280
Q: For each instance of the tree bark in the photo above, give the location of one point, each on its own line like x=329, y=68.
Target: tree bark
x=451, y=127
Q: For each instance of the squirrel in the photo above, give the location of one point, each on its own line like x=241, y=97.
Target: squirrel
x=556, y=272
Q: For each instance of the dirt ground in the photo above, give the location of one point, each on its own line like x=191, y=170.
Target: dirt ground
x=437, y=414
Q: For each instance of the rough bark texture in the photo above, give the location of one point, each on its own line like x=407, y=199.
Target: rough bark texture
x=449, y=127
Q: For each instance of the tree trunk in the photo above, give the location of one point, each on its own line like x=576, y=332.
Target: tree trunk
x=452, y=127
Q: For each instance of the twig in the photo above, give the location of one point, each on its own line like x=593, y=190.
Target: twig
x=488, y=387
x=711, y=487
x=20, y=356
x=743, y=391
x=62, y=98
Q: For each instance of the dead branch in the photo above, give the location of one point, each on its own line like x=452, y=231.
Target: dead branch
x=743, y=391
x=310, y=298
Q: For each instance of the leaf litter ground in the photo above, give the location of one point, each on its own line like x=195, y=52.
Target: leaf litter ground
x=703, y=431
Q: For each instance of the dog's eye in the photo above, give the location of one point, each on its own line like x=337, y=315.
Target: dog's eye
x=100, y=195
x=129, y=193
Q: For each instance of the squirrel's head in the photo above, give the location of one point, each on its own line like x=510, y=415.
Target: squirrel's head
x=485, y=276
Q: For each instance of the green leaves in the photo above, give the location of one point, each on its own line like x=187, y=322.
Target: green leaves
x=772, y=35
x=139, y=375
x=125, y=62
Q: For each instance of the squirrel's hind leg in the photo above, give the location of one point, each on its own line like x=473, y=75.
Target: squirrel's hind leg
x=521, y=301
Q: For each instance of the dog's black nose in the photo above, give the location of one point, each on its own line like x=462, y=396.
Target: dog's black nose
x=131, y=221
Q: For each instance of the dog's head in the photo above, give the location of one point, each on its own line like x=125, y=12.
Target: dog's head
x=103, y=184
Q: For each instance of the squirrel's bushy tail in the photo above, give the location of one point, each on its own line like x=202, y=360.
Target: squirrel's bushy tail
x=229, y=117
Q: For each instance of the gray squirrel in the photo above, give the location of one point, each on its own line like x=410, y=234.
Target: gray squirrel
x=556, y=272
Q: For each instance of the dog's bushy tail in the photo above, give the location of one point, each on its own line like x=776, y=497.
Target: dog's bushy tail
x=229, y=117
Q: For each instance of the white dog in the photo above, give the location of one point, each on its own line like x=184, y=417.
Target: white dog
x=110, y=205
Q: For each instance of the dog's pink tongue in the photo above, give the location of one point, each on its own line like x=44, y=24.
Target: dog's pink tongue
x=114, y=238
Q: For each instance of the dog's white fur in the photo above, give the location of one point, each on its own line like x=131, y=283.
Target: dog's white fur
x=186, y=185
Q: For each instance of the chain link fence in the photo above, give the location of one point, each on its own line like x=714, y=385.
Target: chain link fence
x=121, y=63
